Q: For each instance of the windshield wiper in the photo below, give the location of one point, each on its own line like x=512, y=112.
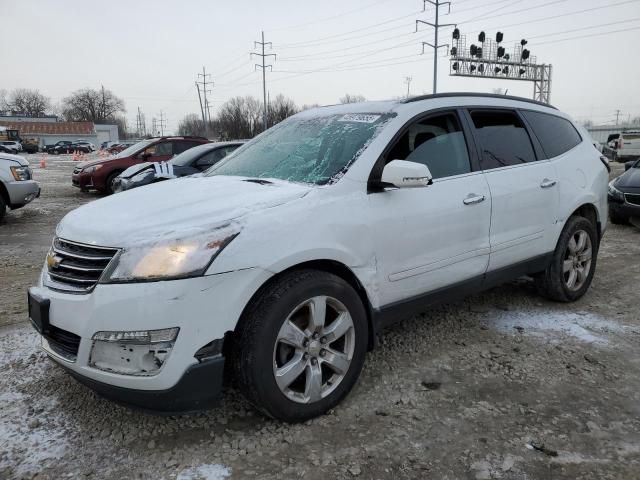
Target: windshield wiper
x=261, y=181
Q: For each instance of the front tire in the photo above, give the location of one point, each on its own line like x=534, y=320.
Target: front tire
x=300, y=345
x=110, y=183
x=3, y=208
x=569, y=275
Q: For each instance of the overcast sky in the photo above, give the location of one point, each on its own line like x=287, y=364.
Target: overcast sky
x=149, y=52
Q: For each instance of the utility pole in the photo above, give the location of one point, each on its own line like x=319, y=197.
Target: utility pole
x=264, y=78
x=407, y=80
x=618, y=112
x=436, y=26
x=204, y=105
x=200, y=101
x=162, y=123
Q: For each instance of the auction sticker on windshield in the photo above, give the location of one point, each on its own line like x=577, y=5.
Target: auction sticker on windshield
x=359, y=117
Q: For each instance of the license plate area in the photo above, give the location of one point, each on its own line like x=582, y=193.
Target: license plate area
x=39, y=312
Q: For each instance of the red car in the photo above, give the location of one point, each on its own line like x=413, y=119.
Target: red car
x=100, y=174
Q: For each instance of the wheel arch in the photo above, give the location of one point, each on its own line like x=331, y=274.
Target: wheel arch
x=324, y=265
x=590, y=212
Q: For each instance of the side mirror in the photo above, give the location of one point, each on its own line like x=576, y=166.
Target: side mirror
x=145, y=155
x=403, y=174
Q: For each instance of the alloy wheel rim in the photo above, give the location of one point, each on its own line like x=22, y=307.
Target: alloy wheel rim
x=314, y=349
x=577, y=260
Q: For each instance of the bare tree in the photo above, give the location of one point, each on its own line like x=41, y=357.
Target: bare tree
x=279, y=109
x=309, y=106
x=350, y=98
x=635, y=121
x=587, y=123
x=88, y=105
x=240, y=117
x=25, y=101
x=192, y=124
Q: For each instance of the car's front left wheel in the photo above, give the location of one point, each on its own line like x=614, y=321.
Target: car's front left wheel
x=300, y=345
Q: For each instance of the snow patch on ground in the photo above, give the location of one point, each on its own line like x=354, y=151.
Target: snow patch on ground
x=551, y=325
x=205, y=472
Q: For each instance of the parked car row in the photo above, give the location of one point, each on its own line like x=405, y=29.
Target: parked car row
x=623, y=147
x=9, y=146
x=282, y=263
x=67, y=146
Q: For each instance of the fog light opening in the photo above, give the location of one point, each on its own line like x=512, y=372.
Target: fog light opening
x=140, y=353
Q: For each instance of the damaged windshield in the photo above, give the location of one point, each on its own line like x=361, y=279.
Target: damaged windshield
x=308, y=150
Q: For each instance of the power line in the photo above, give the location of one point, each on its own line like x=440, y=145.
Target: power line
x=307, y=42
x=320, y=20
x=264, y=74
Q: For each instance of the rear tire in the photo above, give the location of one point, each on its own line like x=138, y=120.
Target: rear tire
x=293, y=358
x=569, y=275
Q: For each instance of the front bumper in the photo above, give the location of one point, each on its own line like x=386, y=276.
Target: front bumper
x=22, y=192
x=82, y=180
x=204, y=308
x=199, y=388
x=624, y=209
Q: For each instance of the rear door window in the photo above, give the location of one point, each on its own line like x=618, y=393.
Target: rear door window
x=556, y=134
x=503, y=138
x=179, y=147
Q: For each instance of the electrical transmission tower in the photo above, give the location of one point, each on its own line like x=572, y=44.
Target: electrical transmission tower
x=204, y=103
x=436, y=27
x=407, y=80
x=618, y=112
x=162, y=123
x=264, y=77
x=141, y=128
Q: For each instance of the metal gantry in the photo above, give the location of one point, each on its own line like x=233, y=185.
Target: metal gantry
x=487, y=58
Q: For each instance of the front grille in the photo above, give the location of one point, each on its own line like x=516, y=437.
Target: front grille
x=633, y=198
x=77, y=267
x=63, y=343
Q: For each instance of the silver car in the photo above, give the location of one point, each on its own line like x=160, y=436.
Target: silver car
x=16, y=185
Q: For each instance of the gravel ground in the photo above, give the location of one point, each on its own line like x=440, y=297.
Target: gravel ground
x=501, y=385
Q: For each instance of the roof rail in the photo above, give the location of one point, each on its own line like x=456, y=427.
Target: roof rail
x=474, y=94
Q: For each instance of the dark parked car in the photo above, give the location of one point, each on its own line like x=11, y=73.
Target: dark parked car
x=71, y=147
x=624, y=195
x=195, y=160
x=58, y=145
x=30, y=148
x=101, y=175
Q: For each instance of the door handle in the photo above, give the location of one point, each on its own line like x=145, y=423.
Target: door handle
x=546, y=183
x=472, y=199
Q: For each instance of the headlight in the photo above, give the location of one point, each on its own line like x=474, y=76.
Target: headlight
x=170, y=259
x=92, y=169
x=21, y=173
x=614, y=192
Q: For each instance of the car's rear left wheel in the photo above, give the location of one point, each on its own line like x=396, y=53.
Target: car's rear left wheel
x=300, y=345
x=573, y=264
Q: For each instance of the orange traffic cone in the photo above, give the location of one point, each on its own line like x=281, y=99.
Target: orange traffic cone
x=43, y=163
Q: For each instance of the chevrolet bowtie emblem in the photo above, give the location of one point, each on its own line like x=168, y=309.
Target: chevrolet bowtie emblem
x=53, y=260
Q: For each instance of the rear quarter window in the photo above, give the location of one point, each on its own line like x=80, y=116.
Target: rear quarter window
x=557, y=135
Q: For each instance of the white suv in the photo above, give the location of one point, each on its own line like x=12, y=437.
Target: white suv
x=287, y=258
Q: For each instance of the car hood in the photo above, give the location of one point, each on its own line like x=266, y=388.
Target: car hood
x=629, y=180
x=90, y=163
x=16, y=158
x=176, y=209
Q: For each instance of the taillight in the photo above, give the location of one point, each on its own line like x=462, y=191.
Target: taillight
x=605, y=161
